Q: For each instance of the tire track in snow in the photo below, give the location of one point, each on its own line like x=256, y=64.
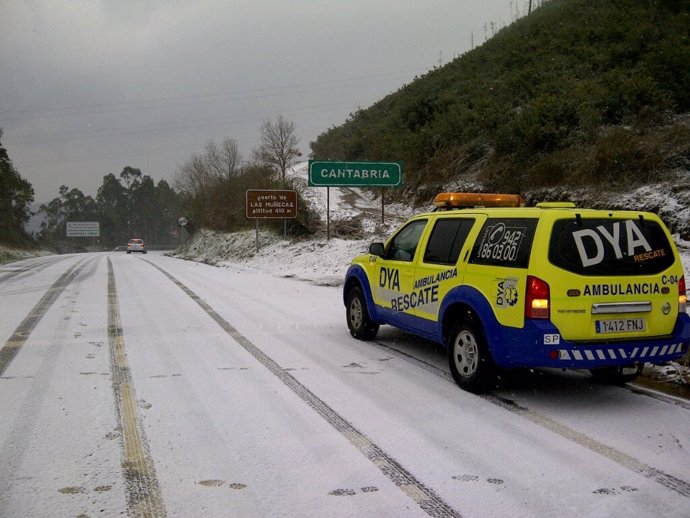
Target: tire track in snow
x=423, y=496
x=622, y=459
x=17, y=443
x=31, y=268
x=23, y=331
x=651, y=393
x=671, y=482
x=143, y=492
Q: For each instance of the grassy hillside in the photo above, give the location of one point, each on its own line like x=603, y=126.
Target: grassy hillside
x=578, y=92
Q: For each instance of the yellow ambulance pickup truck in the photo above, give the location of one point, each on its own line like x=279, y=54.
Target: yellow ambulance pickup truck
x=501, y=285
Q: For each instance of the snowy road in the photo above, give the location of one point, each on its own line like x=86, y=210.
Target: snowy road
x=149, y=386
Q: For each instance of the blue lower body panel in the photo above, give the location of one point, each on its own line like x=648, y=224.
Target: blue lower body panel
x=539, y=344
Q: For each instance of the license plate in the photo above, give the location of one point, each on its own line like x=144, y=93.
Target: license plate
x=620, y=325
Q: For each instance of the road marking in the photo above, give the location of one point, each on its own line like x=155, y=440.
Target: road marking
x=21, y=334
x=423, y=496
x=622, y=459
x=144, y=497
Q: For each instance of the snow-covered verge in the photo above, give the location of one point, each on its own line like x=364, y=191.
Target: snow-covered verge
x=9, y=255
x=318, y=259
x=321, y=261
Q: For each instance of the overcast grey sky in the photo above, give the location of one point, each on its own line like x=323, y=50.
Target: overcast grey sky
x=88, y=87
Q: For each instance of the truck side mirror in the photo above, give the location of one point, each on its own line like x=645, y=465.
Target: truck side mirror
x=377, y=249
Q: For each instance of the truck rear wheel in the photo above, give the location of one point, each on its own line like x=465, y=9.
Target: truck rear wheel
x=469, y=359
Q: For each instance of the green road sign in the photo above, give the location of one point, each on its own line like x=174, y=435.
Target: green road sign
x=325, y=173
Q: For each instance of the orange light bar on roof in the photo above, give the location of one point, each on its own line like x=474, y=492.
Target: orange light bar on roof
x=454, y=200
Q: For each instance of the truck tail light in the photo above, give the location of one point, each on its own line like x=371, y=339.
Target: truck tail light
x=682, y=297
x=537, y=298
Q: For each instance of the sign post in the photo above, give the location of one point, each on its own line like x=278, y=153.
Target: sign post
x=327, y=173
x=270, y=204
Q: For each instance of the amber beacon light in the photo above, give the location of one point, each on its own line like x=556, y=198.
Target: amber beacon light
x=455, y=200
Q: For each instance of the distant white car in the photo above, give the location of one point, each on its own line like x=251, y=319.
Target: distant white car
x=136, y=245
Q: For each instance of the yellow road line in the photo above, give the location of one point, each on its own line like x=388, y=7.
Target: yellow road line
x=144, y=497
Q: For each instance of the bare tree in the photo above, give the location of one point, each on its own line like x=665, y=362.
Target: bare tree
x=223, y=160
x=193, y=177
x=279, y=143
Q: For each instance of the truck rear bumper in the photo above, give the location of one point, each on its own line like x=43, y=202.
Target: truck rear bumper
x=539, y=344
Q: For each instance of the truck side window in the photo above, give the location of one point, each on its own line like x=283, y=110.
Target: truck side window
x=504, y=242
x=403, y=246
x=446, y=240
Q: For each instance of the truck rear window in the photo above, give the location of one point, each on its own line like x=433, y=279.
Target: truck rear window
x=611, y=247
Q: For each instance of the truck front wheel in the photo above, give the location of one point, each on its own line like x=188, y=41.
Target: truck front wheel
x=358, y=320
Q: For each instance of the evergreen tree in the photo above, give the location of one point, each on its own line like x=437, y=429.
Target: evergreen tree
x=71, y=205
x=16, y=196
x=112, y=206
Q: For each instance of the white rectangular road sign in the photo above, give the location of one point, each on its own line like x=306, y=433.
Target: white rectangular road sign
x=83, y=229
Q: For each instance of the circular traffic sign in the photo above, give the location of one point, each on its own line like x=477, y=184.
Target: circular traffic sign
x=182, y=221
